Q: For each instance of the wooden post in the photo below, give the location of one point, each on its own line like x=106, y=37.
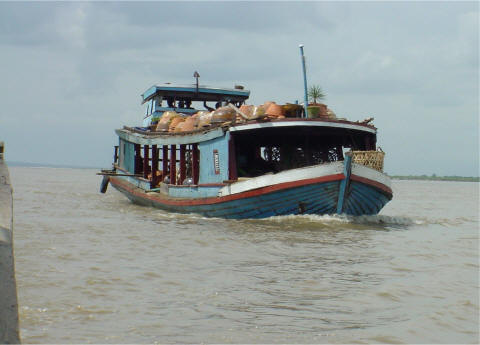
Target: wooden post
x=145, y=161
x=154, y=181
x=340, y=152
x=232, y=160
x=115, y=155
x=195, y=162
x=183, y=174
x=164, y=160
x=138, y=160
x=173, y=162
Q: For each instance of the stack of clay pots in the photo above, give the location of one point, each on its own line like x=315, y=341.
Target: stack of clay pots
x=165, y=121
x=173, y=122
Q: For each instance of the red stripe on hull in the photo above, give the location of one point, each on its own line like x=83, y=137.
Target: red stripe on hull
x=128, y=187
x=373, y=183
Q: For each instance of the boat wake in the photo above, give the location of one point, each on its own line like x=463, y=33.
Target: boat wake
x=333, y=220
x=376, y=221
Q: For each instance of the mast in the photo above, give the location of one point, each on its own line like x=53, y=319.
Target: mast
x=304, y=80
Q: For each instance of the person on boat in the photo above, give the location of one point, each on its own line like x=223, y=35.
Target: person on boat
x=207, y=107
x=171, y=102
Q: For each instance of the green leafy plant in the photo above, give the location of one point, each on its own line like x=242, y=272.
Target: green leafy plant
x=315, y=92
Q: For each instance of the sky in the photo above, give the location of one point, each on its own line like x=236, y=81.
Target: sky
x=73, y=72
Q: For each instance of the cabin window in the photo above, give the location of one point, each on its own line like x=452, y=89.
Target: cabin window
x=272, y=150
x=149, y=108
x=255, y=160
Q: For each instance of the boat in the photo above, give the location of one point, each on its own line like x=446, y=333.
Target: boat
x=204, y=150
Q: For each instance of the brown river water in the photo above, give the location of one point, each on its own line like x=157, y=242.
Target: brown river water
x=94, y=268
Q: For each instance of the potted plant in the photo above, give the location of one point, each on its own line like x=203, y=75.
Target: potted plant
x=316, y=109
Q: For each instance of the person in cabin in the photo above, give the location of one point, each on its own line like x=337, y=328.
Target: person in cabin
x=171, y=102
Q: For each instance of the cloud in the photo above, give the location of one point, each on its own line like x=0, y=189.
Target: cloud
x=80, y=67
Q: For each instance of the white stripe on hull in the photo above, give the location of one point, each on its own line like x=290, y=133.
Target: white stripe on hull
x=371, y=174
x=283, y=177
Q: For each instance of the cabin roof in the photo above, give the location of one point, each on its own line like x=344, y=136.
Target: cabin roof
x=166, y=138
x=342, y=124
x=203, y=93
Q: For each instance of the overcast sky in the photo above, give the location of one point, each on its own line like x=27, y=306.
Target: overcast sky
x=72, y=72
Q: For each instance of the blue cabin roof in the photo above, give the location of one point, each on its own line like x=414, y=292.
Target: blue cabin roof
x=203, y=93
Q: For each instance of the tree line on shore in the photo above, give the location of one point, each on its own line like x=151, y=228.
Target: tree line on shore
x=434, y=177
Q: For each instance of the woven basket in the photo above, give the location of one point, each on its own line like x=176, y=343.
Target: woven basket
x=371, y=159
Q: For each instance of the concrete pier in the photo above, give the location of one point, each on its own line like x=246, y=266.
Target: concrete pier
x=9, y=333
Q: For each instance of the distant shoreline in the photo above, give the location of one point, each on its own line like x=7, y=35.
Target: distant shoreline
x=45, y=165
x=436, y=178
x=395, y=177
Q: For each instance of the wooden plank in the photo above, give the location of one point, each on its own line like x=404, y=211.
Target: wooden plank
x=154, y=180
x=182, y=164
x=195, y=163
x=165, y=160
x=173, y=167
x=145, y=161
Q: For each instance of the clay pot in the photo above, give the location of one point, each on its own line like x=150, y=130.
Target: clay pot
x=313, y=111
x=292, y=110
x=323, y=110
x=317, y=110
x=190, y=124
x=331, y=114
x=267, y=104
x=168, y=116
x=175, y=122
x=204, y=119
x=223, y=114
x=179, y=127
x=275, y=110
x=165, y=120
x=247, y=110
x=258, y=112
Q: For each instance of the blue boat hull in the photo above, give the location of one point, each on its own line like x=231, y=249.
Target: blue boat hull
x=317, y=198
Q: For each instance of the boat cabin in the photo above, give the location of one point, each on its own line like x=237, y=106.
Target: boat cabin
x=188, y=99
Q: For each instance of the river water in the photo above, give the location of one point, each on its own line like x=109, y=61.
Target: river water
x=94, y=268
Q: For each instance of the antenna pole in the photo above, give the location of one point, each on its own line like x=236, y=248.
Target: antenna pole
x=305, y=105
x=196, y=76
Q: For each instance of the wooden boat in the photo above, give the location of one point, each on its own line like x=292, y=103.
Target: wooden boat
x=255, y=164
